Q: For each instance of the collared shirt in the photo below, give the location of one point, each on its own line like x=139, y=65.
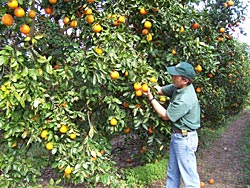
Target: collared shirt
x=184, y=109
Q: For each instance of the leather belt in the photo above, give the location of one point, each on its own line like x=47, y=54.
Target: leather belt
x=184, y=133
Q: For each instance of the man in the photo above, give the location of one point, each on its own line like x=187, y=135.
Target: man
x=184, y=113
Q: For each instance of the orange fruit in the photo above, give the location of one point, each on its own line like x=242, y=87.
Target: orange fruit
x=25, y=29
x=52, y=1
x=143, y=11
x=97, y=28
x=230, y=3
x=222, y=30
x=12, y=4
x=114, y=75
x=198, y=89
x=182, y=29
x=72, y=136
x=121, y=19
x=202, y=184
x=44, y=134
x=68, y=171
x=143, y=149
x=90, y=19
x=7, y=19
x=66, y=20
x=210, y=75
x=155, y=9
x=163, y=98
x=198, y=68
x=127, y=130
x=32, y=14
x=138, y=93
x=116, y=23
x=102, y=151
x=137, y=86
x=73, y=24
x=48, y=10
x=90, y=1
x=174, y=52
x=211, y=181
x=195, y=25
x=125, y=104
x=126, y=73
x=144, y=87
x=113, y=122
x=149, y=37
x=98, y=50
x=145, y=31
x=153, y=79
x=87, y=11
x=150, y=130
x=63, y=129
x=49, y=146
x=147, y=24
x=19, y=12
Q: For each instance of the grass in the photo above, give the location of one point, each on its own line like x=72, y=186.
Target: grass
x=245, y=152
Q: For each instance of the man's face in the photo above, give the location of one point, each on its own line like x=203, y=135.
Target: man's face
x=179, y=81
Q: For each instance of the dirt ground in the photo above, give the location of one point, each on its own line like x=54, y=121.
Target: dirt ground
x=221, y=161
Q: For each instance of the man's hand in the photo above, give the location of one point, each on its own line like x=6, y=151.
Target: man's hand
x=158, y=88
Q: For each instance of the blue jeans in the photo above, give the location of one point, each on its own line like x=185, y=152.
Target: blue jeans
x=182, y=161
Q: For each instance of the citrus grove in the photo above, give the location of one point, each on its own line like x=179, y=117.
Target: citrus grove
x=73, y=73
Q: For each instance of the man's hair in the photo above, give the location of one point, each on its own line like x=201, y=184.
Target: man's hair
x=184, y=78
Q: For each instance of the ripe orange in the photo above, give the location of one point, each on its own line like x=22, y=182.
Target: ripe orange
x=66, y=20
x=138, y=93
x=32, y=14
x=230, y=3
x=198, y=68
x=48, y=10
x=19, y=12
x=153, y=79
x=155, y=9
x=87, y=11
x=114, y=75
x=44, y=134
x=126, y=73
x=211, y=181
x=90, y=1
x=174, y=52
x=102, y=151
x=149, y=37
x=63, y=128
x=127, y=130
x=113, y=122
x=49, y=146
x=52, y=1
x=25, y=29
x=144, y=87
x=150, y=130
x=163, y=98
x=12, y=4
x=222, y=30
x=198, y=89
x=147, y=24
x=73, y=24
x=7, y=19
x=210, y=75
x=121, y=19
x=137, y=86
x=143, y=11
x=143, y=149
x=97, y=28
x=68, y=170
x=90, y=19
x=98, y=50
x=195, y=25
x=182, y=29
x=72, y=136
x=145, y=31
x=202, y=184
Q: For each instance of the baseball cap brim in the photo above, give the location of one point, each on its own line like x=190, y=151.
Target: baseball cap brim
x=172, y=71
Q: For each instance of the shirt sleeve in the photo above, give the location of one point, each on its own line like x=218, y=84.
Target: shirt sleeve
x=176, y=110
x=168, y=90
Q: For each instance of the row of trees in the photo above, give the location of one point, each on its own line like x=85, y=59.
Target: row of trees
x=71, y=73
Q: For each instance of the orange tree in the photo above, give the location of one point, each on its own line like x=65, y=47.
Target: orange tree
x=72, y=72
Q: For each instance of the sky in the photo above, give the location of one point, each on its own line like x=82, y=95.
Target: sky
x=246, y=26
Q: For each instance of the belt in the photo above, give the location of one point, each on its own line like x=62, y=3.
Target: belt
x=183, y=132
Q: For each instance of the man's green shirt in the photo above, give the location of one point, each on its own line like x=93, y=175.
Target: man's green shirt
x=184, y=109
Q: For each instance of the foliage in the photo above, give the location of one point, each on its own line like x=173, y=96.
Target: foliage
x=57, y=91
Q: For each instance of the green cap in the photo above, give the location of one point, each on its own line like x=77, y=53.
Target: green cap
x=182, y=69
